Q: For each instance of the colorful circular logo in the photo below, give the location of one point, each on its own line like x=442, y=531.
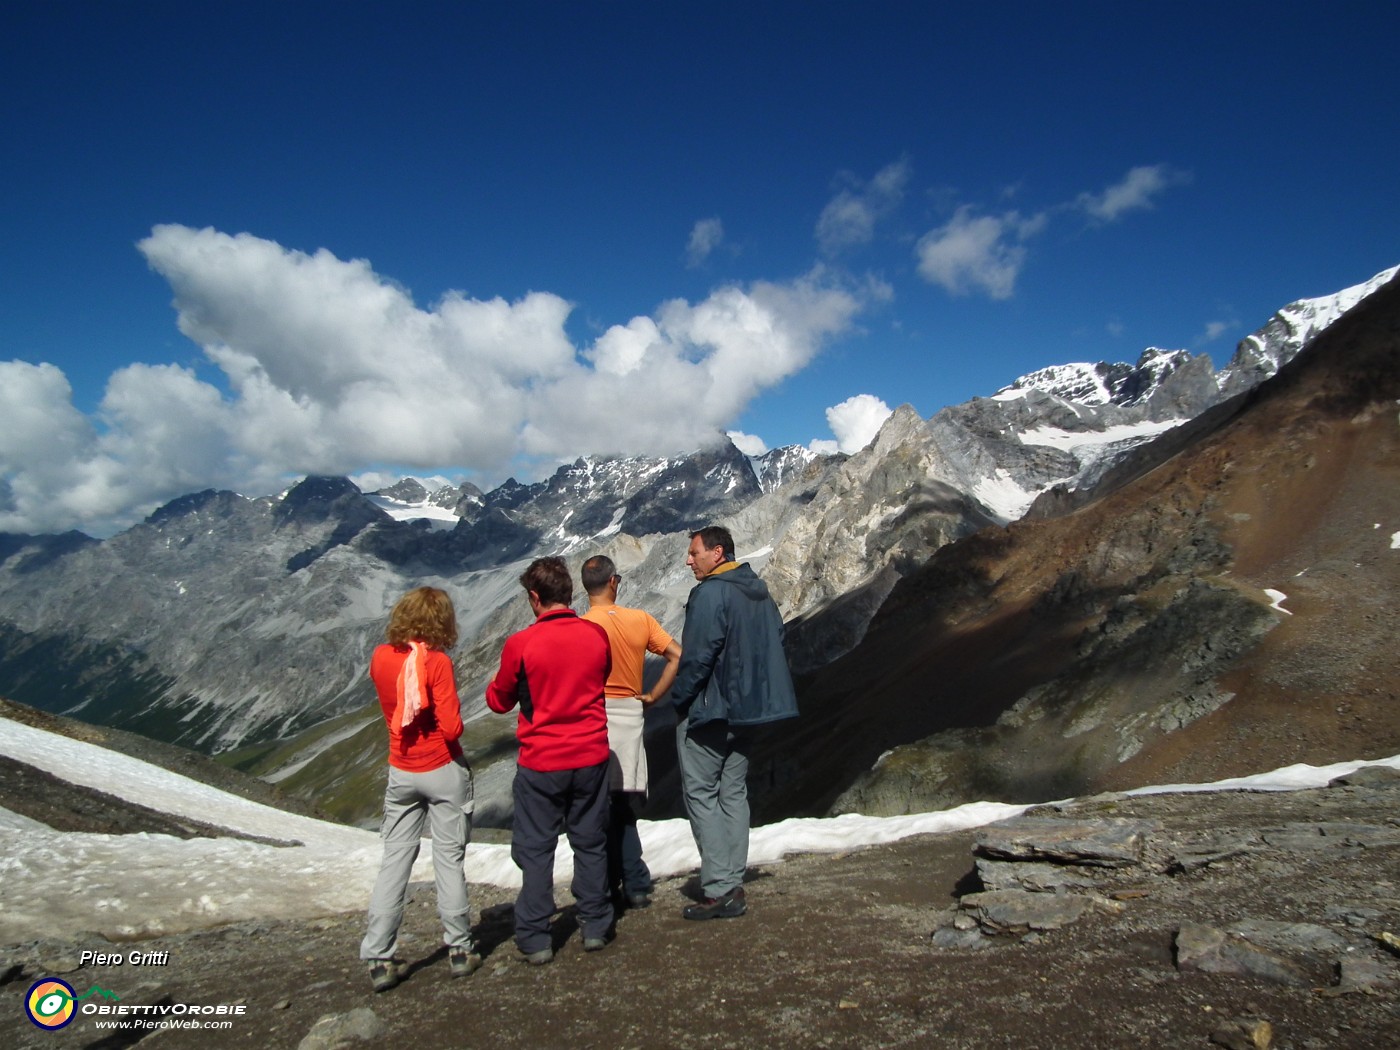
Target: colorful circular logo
x=49, y=1003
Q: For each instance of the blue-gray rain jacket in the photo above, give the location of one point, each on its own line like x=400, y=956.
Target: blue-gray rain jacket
x=732, y=662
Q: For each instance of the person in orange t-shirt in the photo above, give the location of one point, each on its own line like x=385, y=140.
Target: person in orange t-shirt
x=428, y=781
x=632, y=633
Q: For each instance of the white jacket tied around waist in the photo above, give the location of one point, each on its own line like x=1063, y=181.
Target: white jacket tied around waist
x=627, y=764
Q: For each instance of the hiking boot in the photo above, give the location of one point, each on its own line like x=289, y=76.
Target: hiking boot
x=541, y=957
x=385, y=974
x=730, y=906
x=463, y=961
x=594, y=944
x=639, y=900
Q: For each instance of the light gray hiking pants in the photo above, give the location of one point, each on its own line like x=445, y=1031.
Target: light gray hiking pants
x=714, y=761
x=443, y=798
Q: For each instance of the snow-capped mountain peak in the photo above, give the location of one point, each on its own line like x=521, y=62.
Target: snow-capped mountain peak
x=1100, y=383
x=1260, y=355
x=778, y=465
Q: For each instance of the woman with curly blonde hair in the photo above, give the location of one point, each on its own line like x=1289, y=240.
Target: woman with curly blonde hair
x=428, y=781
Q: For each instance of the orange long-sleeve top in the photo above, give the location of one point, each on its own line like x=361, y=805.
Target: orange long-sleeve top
x=430, y=740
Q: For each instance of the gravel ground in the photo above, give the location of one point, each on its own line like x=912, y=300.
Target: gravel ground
x=834, y=952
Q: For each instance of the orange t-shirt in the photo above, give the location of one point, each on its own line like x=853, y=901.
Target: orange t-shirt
x=632, y=633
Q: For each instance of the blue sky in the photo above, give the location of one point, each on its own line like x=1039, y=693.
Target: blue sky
x=479, y=239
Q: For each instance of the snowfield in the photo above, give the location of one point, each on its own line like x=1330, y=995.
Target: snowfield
x=58, y=884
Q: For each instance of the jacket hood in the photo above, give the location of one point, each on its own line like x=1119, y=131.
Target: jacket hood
x=746, y=580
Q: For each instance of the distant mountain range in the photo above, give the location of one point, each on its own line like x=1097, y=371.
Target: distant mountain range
x=241, y=626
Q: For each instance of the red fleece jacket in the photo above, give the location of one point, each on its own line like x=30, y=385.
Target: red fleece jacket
x=555, y=670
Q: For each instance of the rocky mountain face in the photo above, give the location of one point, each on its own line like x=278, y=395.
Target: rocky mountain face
x=225, y=622
x=1061, y=426
x=1261, y=355
x=464, y=500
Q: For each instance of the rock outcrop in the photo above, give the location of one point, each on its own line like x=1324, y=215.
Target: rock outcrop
x=1313, y=922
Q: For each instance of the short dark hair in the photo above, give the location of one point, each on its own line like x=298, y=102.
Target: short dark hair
x=597, y=571
x=549, y=578
x=716, y=536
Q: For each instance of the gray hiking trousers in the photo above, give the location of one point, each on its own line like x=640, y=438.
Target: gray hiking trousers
x=714, y=761
x=443, y=798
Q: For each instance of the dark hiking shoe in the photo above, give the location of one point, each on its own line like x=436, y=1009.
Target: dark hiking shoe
x=594, y=944
x=630, y=900
x=463, y=961
x=730, y=906
x=385, y=974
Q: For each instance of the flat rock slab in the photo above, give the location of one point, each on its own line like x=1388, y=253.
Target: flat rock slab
x=1020, y=911
x=1289, y=938
x=1331, y=835
x=1193, y=850
x=1205, y=949
x=1035, y=876
x=1110, y=842
x=1370, y=776
x=1370, y=976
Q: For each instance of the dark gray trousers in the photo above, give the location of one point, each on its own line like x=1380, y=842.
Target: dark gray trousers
x=574, y=802
x=628, y=873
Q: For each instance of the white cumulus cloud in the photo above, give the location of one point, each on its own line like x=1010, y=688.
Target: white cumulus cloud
x=48, y=451
x=671, y=382
x=982, y=252
x=855, y=422
x=748, y=444
x=329, y=367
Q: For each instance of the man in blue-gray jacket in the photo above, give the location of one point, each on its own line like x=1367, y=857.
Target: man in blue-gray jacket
x=733, y=675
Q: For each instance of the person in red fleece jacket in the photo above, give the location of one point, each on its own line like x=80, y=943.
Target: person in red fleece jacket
x=555, y=671
x=428, y=781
